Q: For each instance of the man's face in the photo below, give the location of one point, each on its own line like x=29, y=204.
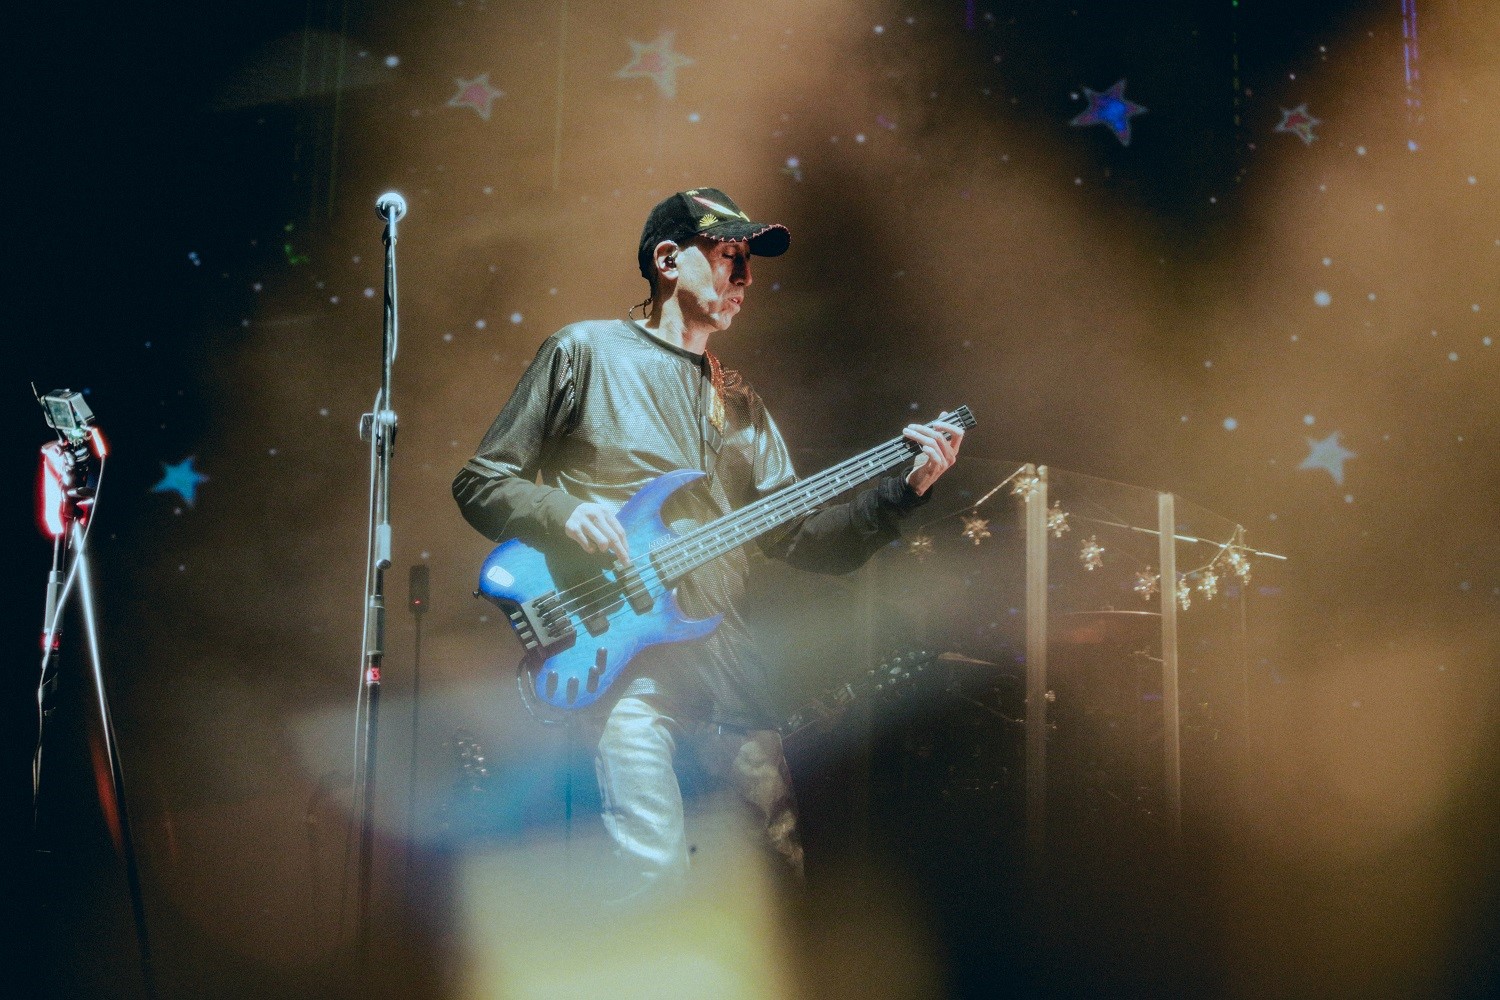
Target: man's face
x=711, y=281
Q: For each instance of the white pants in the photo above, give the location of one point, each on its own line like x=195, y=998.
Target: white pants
x=641, y=751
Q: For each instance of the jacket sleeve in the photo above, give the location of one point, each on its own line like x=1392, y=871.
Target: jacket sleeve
x=497, y=489
x=836, y=538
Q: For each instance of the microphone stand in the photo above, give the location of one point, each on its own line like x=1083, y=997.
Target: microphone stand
x=68, y=501
x=378, y=427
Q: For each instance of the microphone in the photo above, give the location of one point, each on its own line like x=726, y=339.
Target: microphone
x=388, y=203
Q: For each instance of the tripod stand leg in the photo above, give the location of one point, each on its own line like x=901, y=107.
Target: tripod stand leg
x=367, y=810
x=107, y=726
x=58, y=592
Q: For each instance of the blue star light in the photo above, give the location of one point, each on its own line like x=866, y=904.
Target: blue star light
x=1110, y=108
x=1327, y=455
x=181, y=479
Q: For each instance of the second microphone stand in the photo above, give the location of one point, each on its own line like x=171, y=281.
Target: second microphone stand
x=378, y=428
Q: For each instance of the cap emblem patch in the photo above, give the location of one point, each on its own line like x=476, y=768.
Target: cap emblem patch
x=721, y=209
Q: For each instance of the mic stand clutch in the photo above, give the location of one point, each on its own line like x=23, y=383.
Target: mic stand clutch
x=378, y=428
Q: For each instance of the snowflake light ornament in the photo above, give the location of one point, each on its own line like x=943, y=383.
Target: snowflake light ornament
x=1239, y=564
x=1092, y=554
x=1146, y=584
x=1057, y=521
x=976, y=529
x=1184, y=594
x=1026, y=485
x=1208, y=584
x=920, y=546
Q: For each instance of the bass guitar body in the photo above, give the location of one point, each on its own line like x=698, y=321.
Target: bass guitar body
x=582, y=625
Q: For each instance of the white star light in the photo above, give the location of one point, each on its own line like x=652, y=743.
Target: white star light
x=1327, y=455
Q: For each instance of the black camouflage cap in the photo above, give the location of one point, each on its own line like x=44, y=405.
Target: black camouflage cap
x=707, y=212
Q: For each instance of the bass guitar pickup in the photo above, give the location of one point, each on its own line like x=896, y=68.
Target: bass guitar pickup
x=541, y=623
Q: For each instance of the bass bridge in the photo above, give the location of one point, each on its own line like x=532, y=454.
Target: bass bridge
x=541, y=622
x=547, y=621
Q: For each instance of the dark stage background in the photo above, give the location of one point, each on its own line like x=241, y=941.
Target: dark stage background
x=1293, y=329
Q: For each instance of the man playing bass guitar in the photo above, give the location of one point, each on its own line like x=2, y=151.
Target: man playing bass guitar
x=607, y=407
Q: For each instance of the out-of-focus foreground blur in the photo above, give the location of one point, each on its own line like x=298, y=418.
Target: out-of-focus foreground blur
x=1241, y=253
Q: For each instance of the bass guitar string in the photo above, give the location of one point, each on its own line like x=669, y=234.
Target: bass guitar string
x=681, y=555
x=694, y=549
x=961, y=416
x=602, y=592
x=587, y=601
x=784, y=497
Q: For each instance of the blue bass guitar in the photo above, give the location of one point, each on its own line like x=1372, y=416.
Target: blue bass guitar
x=581, y=625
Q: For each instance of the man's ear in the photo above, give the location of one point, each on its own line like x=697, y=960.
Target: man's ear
x=665, y=256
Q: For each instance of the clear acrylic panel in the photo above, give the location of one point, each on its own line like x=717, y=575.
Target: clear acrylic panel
x=954, y=587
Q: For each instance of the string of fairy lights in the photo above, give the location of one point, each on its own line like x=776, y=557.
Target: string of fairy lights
x=1231, y=558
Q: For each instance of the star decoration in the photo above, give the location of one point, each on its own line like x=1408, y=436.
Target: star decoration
x=1057, y=521
x=657, y=61
x=1146, y=584
x=477, y=94
x=1299, y=123
x=1327, y=455
x=1184, y=594
x=181, y=479
x=1208, y=584
x=976, y=529
x=1025, y=485
x=920, y=546
x=1092, y=554
x=1111, y=109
